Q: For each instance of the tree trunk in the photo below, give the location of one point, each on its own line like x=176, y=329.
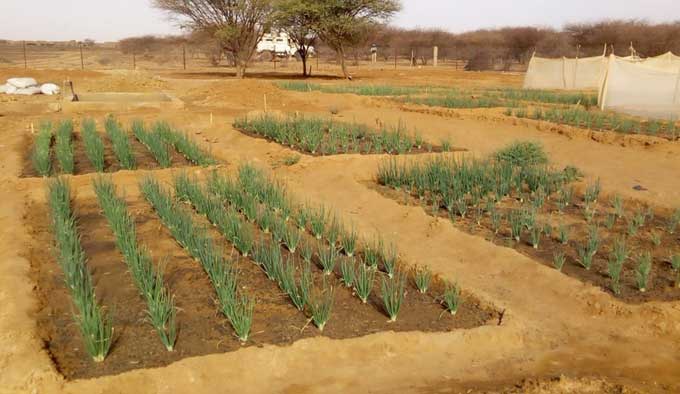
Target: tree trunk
x=241, y=68
x=343, y=65
x=303, y=56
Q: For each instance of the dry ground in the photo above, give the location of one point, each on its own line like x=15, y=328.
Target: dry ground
x=558, y=335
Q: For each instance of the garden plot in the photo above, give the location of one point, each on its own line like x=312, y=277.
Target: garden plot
x=578, y=109
x=319, y=137
x=214, y=265
x=514, y=199
x=59, y=149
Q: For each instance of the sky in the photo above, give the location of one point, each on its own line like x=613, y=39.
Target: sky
x=109, y=20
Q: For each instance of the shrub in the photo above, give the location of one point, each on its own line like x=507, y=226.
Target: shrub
x=523, y=154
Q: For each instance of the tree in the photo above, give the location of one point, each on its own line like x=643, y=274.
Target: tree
x=343, y=23
x=298, y=18
x=238, y=24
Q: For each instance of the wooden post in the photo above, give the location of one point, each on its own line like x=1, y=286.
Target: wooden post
x=184, y=56
x=435, y=56
x=82, y=63
x=25, y=60
x=265, y=102
x=134, y=60
x=396, y=52
x=412, y=56
x=318, y=55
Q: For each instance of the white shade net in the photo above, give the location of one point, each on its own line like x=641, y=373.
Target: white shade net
x=565, y=74
x=650, y=88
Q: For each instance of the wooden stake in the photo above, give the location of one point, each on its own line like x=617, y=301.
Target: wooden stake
x=435, y=56
x=395, y=58
x=25, y=60
x=184, y=56
x=134, y=61
x=265, y=102
x=82, y=63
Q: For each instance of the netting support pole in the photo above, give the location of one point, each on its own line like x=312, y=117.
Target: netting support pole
x=25, y=60
x=435, y=56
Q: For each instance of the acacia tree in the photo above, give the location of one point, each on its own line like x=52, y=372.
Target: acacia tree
x=299, y=18
x=343, y=23
x=238, y=24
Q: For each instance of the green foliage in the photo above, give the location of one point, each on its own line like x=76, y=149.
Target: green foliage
x=147, y=278
x=522, y=154
x=452, y=297
x=363, y=283
x=642, y=271
x=558, y=260
x=95, y=325
x=617, y=258
x=94, y=146
x=121, y=143
x=154, y=142
x=361, y=90
x=195, y=240
x=422, y=277
x=673, y=222
x=347, y=271
x=42, y=162
x=321, y=136
x=393, y=295
x=328, y=258
x=321, y=304
x=63, y=146
x=183, y=144
x=675, y=264
x=588, y=251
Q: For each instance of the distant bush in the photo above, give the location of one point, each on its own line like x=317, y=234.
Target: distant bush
x=523, y=153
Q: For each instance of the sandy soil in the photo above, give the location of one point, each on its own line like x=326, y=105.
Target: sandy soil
x=558, y=335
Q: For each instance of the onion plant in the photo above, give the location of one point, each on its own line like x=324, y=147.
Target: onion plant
x=40, y=156
x=422, y=277
x=642, y=271
x=617, y=204
x=347, y=271
x=675, y=264
x=94, y=146
x=298, y=291
x=349, y=242
x=120, y=142
x=389, y=258
x=592, y=192
x=617, y=258
x=154, y=142
x=147, y=278
x=451, y=297
x=328, y=258
x=393, y=295
x=321, y=304
x=63, y=146
x=588, y=251
x=673, y=222
x=363, y=282
x=558, y=260
x=94, y=323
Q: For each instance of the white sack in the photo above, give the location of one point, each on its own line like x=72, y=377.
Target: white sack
x=3, y=88
x=49, y=89
x=21, y=83
x=10, y=89
x=29, y=91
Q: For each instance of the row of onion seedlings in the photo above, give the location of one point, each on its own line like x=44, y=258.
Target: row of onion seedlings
x=94, y=323
x=148, y=279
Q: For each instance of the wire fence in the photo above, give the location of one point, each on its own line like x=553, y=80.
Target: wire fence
x=46, y=55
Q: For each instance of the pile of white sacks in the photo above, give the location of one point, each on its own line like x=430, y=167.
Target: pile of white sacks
x=28, y=86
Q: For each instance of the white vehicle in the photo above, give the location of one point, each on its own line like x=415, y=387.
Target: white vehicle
x=278, y=44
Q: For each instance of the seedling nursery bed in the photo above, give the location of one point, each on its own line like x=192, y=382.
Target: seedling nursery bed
x=201, y=328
